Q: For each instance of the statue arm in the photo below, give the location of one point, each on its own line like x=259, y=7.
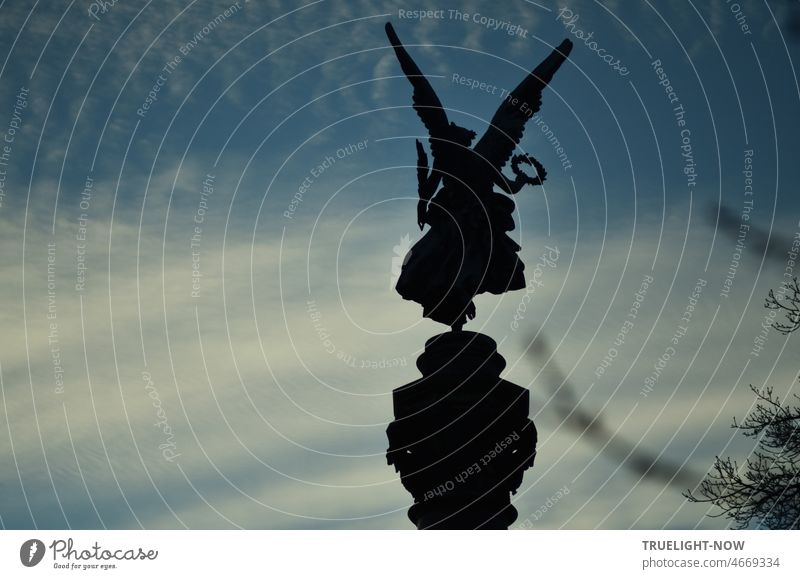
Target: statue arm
x=511, y=187
x=427, y=183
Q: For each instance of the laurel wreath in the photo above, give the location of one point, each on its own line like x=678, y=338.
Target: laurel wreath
x=541, y=174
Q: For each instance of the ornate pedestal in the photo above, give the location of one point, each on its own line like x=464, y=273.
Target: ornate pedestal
x=461, y=438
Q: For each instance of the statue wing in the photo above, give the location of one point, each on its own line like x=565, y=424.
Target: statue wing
x=505, y=132
x=426, y=103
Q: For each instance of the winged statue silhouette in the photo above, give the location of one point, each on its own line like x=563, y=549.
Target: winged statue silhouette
x=466, y=251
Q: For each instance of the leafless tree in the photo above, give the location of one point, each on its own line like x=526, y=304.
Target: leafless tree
x=789, y=302
x=765, y=490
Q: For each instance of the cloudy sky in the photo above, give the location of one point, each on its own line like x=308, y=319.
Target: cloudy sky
x=191, y=341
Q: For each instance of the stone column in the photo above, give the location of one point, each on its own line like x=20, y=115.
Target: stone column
x=461, y=437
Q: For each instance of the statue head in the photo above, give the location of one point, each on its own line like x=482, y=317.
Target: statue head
x=460, y=135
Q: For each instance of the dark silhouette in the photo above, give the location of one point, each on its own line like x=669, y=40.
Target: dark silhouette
x=767, y=492
x=461, y=438
x=466, y=251
x=789, y=302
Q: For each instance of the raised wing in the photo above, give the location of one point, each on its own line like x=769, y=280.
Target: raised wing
x=426, y=103
x=504, y=134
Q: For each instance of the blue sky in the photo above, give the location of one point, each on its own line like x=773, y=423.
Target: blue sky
x=220, y=401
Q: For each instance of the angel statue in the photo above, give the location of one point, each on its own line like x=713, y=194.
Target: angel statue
x=466, y=251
